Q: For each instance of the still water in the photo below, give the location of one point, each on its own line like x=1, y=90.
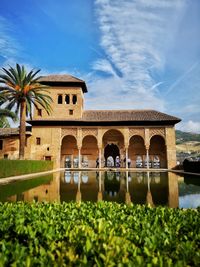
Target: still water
x=153, y=188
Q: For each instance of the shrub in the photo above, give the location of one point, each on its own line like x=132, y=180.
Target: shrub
x=18, y=167
x=97, y=234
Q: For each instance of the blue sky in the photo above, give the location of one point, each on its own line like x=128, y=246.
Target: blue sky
x=133, y=54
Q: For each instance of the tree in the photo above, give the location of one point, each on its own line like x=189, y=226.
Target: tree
x=22, y=91
x=4, y=113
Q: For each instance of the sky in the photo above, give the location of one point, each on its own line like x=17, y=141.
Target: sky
x=133, y=54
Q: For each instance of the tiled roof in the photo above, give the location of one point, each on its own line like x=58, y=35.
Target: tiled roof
x=126, y=115
x=112, y=117
x=62, y=79
x=11, y=132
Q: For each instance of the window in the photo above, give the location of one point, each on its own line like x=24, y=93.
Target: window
x=39, y=112
x=71, y=112
x=74, y=99
x=38, y=140
x=60, y=100
x=5, y=156
x=67, y=99
x=1, y=144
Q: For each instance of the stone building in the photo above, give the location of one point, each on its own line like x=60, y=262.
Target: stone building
x=74, y=137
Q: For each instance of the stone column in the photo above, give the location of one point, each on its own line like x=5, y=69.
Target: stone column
x=126, y=149
x=99, y=142
x=100, y=157
x=170, y=147
x=79, y=145
x=147, y=157
x=79, y=157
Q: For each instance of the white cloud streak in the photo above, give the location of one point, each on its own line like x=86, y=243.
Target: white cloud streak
x=9, y=47
x=134, y=37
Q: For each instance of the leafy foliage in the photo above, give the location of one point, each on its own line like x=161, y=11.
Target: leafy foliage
x=4, y=113
x=97, y=234
x=18, y=167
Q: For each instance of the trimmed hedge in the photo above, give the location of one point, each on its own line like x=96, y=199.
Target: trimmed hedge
x=98, y=234
x=19, y=167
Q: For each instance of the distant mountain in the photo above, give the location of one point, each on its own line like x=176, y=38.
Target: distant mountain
x=182, y=137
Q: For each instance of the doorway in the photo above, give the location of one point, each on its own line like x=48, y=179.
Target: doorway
x=111, y=151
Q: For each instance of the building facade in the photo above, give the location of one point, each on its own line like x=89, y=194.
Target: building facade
x=74, y=137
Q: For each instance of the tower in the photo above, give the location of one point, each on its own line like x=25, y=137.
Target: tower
x=66, y=92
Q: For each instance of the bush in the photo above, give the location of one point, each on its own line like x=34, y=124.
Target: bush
x=18, y=167
x=97, y=234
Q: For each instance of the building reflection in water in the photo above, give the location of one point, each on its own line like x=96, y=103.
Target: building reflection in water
x=153, y=188
x=48, y=191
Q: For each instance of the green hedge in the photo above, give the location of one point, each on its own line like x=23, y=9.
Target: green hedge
x=18, y=167
x=97, y=234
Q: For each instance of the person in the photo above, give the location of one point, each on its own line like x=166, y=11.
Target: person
x=117, y=162
x=129, y=162
x=97, y=163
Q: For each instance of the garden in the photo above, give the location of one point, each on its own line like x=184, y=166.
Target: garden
x=97, y=234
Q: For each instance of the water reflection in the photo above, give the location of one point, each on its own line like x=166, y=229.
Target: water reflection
x=152, y=188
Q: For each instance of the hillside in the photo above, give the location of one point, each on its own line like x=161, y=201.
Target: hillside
x=182, y=137
x=188, y=143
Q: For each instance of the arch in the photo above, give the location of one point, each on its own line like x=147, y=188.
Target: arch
x=158, y=149
x=158, y=135
x=111, y=152
x=69, y=151
x=114, y=137
x=89, y=151
x=137, y=151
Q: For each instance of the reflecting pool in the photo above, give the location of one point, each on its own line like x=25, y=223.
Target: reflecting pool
x=153, y=188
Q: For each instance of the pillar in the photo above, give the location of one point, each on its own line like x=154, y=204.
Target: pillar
x=100, y=150
x=147, y=157
x=126, y=151
x=79, y=157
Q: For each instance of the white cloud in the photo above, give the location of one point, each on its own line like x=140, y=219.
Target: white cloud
x=9, y=47
x=189, y=126
x=134, y=36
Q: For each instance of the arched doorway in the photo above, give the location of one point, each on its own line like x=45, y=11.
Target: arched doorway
x=111, y=151
x=157, y=151
x=69, y=152
x=89, y=151
x=113, y=143
x=137, y=151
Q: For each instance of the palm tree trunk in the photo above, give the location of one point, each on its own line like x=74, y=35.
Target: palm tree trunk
x=22, y=130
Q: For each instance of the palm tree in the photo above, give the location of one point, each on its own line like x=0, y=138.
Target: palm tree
x=4, y=113
x=22, y=91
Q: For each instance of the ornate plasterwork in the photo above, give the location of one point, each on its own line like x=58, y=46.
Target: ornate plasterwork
x=157, y=131
x=89, y=131
x=71, y=131
x=136, y=131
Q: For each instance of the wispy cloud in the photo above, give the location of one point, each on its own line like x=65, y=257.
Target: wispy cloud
x=9, y=47
x=189, y=126
x=134, y=37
